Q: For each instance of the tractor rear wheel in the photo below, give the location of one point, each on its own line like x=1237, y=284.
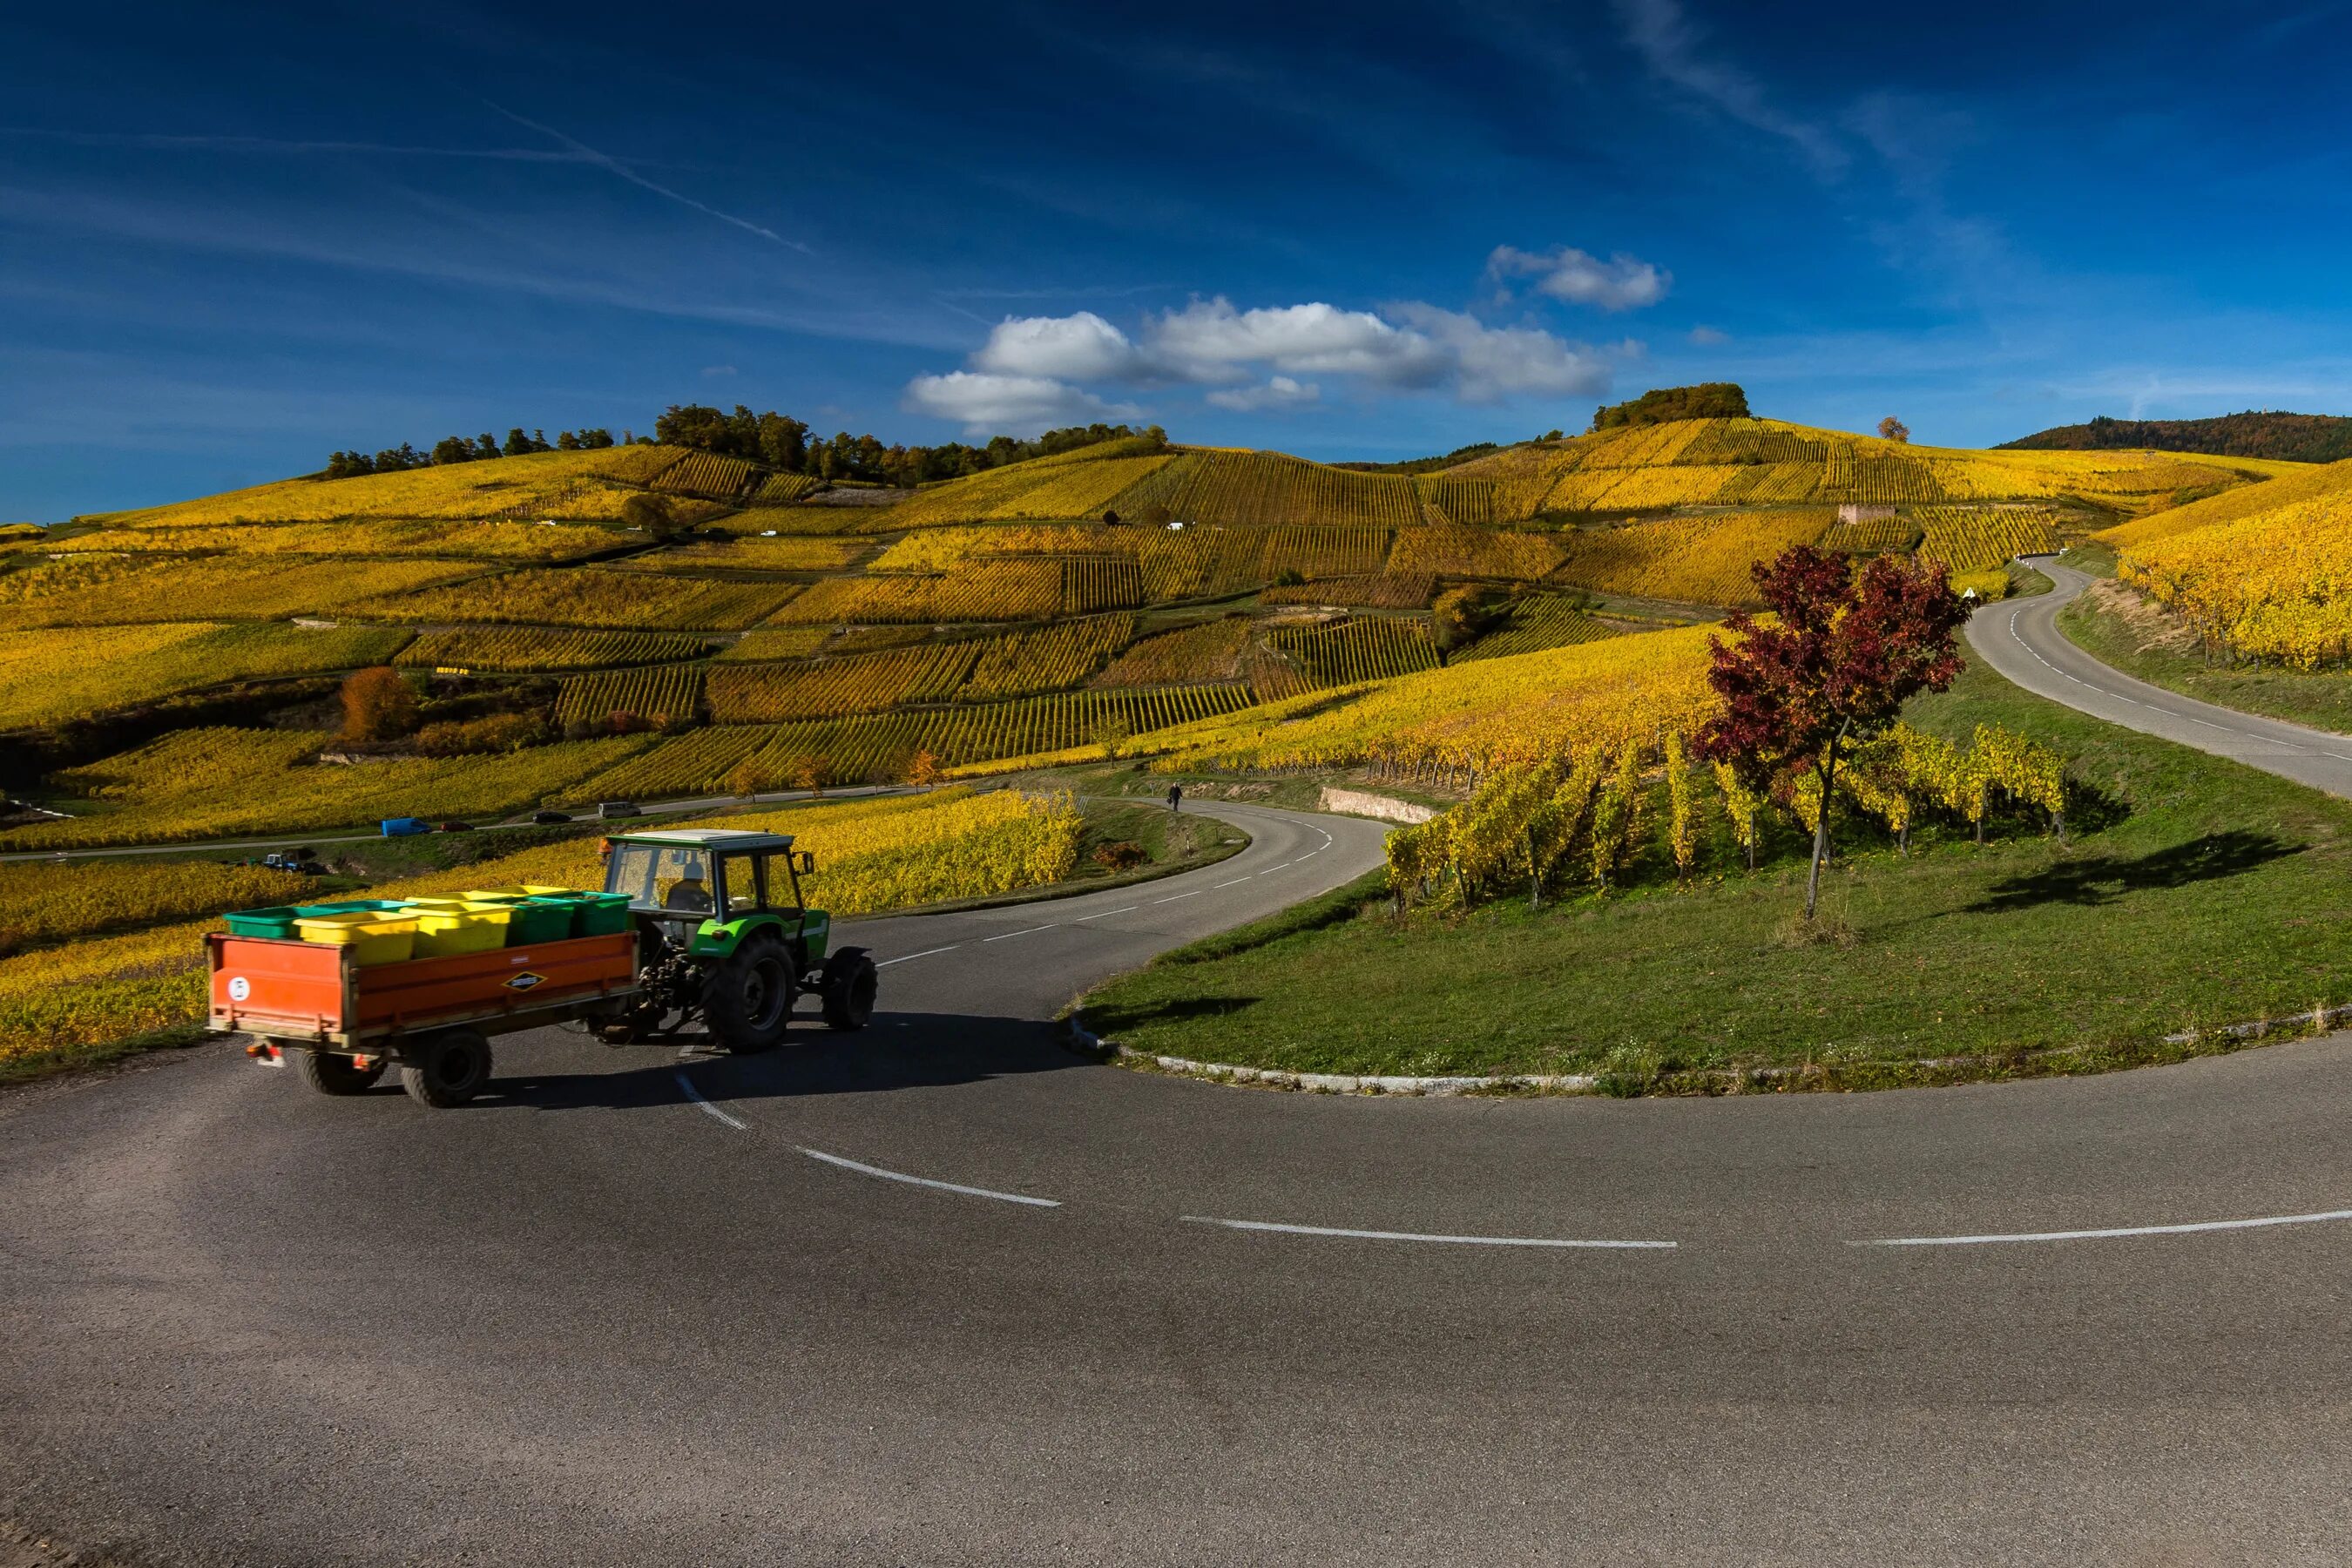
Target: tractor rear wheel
x=446, y=1068
x=850, y=984
x=747, y=996
x=330, y=1074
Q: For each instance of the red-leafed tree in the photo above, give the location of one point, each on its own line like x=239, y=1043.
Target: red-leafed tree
x=1846, y=651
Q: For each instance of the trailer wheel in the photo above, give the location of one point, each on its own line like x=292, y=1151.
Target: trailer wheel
x=330, y=1074
x=446, y=1069
x=747, y=996
x=850, y=984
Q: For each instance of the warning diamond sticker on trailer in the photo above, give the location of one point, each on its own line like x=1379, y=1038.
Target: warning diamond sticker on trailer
x=524, y=981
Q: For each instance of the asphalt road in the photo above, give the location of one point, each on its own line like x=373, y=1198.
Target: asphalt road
x=2020, y=637
x=943, y=1293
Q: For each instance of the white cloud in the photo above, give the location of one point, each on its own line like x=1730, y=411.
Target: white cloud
x=1491, y=364
x=717, y=369
x=1279, y=392
x=1082, y=347
x=1621, y=283
x=1210, y=341
x=1708, y=337
x=989, y=404
x=1030, y=374
x=1669, y=44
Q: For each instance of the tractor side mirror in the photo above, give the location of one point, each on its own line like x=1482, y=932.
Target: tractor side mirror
x=807, y=862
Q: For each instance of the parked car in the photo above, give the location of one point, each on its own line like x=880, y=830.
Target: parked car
x=612, y=808
x=550, y=818
x=457, y=828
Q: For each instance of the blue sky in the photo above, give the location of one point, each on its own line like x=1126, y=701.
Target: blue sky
x=232, y=239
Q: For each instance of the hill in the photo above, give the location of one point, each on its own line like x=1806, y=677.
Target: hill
x=2292, y=438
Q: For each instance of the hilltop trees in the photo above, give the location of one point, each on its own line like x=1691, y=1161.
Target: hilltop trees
x=1846, y=651
x=789, y=446
x=463, y=449
x=1894, y=429
x=1708, y=400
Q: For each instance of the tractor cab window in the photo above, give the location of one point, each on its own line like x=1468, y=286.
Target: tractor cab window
x=745, y=893
x=661, y=877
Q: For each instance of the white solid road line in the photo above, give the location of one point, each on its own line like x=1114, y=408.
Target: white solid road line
x=927, y=1182
x=912, y=956
x=1416, y=1235
x=2019, y=640
x=695, y=1095
x=2115, y=1232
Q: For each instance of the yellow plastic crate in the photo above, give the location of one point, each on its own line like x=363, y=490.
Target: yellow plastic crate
x=373, y=936
x=444, y=934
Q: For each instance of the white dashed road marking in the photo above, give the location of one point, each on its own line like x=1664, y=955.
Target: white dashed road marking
x=865, y=1170
x=708, y=1108
x=910, y=957
x=1260, y=1225
x=2110, y=1234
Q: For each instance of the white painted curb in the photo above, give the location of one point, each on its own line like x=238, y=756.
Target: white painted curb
x=2297, y=1026
x=1093, y=1044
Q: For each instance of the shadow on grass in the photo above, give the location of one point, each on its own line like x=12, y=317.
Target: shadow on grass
x=2100, y=878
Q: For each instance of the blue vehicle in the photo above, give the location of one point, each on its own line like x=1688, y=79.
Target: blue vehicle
x=400, y=826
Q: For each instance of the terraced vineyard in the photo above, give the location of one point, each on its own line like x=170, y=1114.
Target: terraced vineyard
x=50, y=676
x=708, y=475
x=1373, y=591
x=1699, y=559
x=880, y=746
x=532, y=649
x=1475, y=552
x=1011, y=590
x=1535, y=623
x=752, y=552
x=656, y=694
x=1208, y=651
x=1243, y=488
x=1046, y=660
x=1358, y=650
x=113, y=590
x=1972, y=539
x=864, y=683
x=589, y=596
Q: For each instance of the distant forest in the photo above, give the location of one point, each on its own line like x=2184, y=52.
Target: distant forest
x=775, y=439
x=2296, y=437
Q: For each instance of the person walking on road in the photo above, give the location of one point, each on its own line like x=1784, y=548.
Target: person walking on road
x=1175, y=797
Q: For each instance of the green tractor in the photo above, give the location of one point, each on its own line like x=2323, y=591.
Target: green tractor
x=723, y=938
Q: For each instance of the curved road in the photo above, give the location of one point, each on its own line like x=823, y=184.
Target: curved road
x=2020, y=637
x=946, y=1294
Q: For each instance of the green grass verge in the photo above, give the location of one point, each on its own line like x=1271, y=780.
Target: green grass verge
x=2144, y=642
x=2221, y=894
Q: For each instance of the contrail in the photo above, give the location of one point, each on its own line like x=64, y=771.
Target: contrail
x=588, y=154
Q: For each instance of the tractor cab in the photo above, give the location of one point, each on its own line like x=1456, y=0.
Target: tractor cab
x=705, y=888
x=724, y=932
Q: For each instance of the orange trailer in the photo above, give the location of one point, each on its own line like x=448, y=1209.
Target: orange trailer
x=343, y=1023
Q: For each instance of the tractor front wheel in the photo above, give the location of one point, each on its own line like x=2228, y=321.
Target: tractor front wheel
x=850, y=984
x=747, y=996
